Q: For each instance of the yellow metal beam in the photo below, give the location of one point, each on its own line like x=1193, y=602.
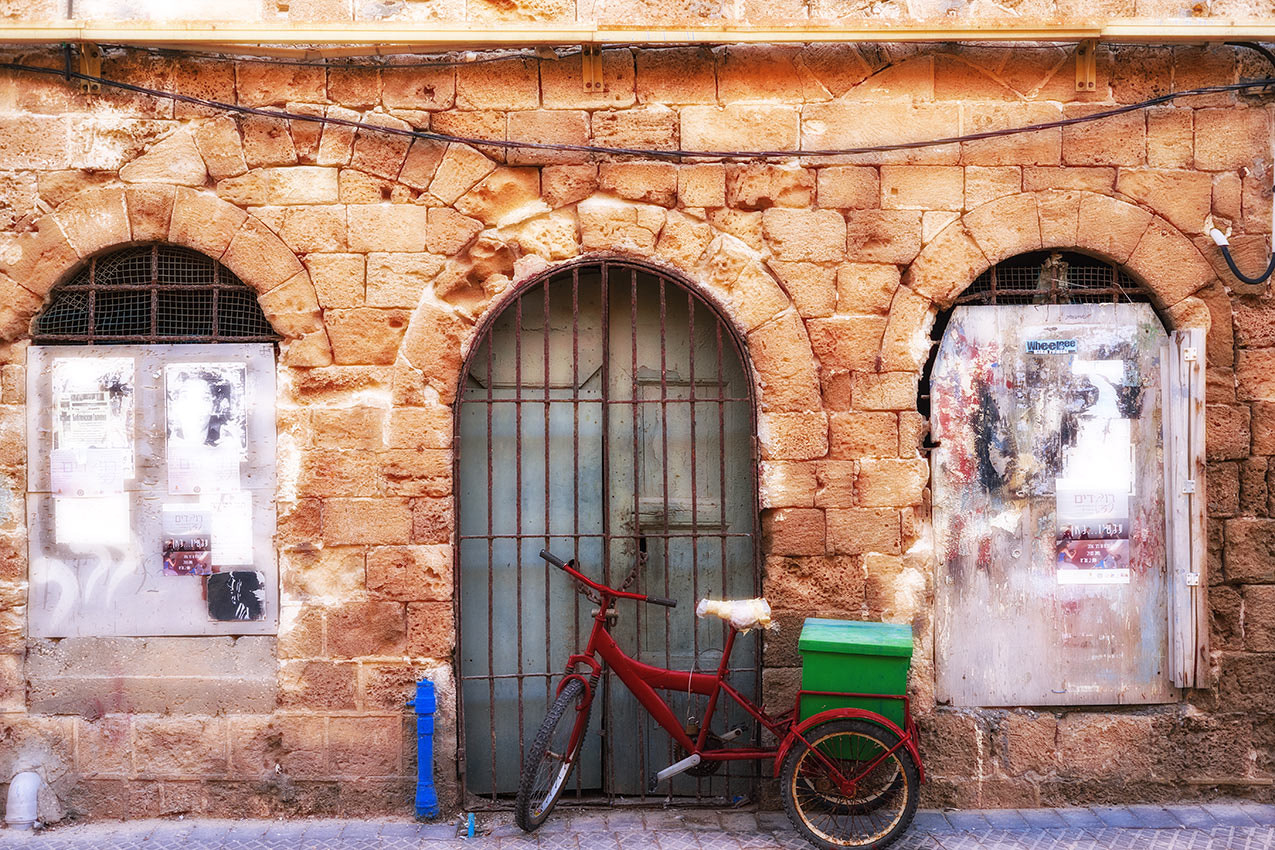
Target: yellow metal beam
x=381, y=38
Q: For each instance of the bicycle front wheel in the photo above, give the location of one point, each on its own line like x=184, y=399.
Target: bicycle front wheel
x=552, y=756
x=883, y=802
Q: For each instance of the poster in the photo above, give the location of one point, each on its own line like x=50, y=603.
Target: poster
x=97, y=521
x=206, y=426
x=238, y=595
x=231, y=527
x=92, y=406
x=89, y=472
x=187, y=540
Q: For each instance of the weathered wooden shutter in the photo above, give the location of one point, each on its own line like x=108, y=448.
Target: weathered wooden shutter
x=1185, y=497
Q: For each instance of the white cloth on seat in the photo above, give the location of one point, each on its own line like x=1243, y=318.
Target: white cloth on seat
x=743, y=614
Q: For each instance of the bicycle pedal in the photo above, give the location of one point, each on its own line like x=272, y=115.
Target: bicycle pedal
x=732, y=734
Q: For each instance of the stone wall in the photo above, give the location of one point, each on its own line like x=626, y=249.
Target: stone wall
x=375, y=256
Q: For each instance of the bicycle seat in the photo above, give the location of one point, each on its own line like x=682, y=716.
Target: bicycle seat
x=743, y=614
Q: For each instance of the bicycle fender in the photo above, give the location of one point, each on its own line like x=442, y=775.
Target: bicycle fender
x=838, y=713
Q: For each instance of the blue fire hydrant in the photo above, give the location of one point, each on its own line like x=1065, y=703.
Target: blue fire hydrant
x=425, y=705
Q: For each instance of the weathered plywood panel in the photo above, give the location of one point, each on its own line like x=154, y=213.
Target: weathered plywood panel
x=1049, y=506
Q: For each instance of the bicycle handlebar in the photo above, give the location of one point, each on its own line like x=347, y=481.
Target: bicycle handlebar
x=569, y=568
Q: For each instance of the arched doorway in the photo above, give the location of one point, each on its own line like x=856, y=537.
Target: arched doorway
x=1049, y=394
x=606, y=412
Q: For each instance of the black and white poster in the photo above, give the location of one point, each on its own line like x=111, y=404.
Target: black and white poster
x=237, y=595
x=206, y=426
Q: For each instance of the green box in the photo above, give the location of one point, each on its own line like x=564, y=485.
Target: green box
x=854, y=657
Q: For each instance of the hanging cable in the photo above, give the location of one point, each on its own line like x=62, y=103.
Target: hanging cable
x=643, y=152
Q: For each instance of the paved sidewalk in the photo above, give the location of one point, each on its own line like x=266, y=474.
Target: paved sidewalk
x=1210, y=826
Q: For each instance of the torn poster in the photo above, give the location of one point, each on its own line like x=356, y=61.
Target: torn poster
x=89, y=472
x=98, y=521
x=93, y=404
x=202, y=469
x=187, y=536
x=205, y=405
x=231, y=527
x=238, y=595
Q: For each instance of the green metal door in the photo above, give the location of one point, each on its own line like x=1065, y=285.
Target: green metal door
x=605, y=415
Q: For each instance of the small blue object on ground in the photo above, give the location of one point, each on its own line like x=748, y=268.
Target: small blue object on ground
x=425, y=704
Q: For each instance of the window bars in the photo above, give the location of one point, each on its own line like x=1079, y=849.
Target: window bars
x=152, y=294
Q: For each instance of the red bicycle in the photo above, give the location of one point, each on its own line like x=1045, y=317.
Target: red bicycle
x=849, y=777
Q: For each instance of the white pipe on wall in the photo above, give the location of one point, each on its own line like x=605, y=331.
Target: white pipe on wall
x=22, y=806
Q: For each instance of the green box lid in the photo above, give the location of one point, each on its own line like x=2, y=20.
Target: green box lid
x=852, y=637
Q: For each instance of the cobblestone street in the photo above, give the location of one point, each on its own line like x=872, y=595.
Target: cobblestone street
x=1234, y=826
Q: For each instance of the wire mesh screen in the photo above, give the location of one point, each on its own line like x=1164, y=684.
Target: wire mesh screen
x=1045, y=277
x=152, y=294
x=606, y=415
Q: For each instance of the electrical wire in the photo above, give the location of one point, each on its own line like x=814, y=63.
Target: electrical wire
x=651, y=153
x=339, y=63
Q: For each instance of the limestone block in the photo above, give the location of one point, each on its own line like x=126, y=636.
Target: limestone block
x=312, y=685
x=1121, y=140
x=812, y=287
x=889, y=482
x=856, y=187
x=431, y=630
x=313, y=573
x=292, y=308
x=701, y=185
x=683, y=240
x=386, y=227
x=922, y=187
x=460, y=169
x=432, y=520
x=883, y=236
x=219, y=144
x=448, y=232
x=853, y=434
x=866, y=288
x=263, y=746
x=336, y=143
x=906, y=343
x=561, y=185
x=380, y=153
x=786, y=368
x=202, y=221
x=793, y=436
x=549, y=237
x=428, y=427
x=1004, y=228
x=987, y=183
x=349, y=428
x=365, y=335
x=505, y=196
x=1228, y=429
x=856, y=531
x=382, y=521
x=173, y=159
x=1169, y=263
x=301, y=185
x=267, y=141
x=1230, y=138
x=786, y=484
x=549, y=127
x=652, y=127
x=327, y=473
x=362, y=747
x=1170, y=137
x=94, y=220
x=30, y=141
x=1182, y=197
x=846, y=342
x=562, y=86
x=259, y=257
x=421, y=163
x=760, y=72
x=1255, y=374
x=246, y=190
x=884, y=390
x=740, y=127
x=507, y=85
x=418, y=86
x=416, y=472
x=339, y=279
x=1113, y=228
x=793, y=531
x=679, y=75
x=314, y=228
x=179, y=746
x=398, y=279
x=607, y=224
x=354, y=86
x=268, y=84
x=366, y=629
x=807, y=585
x=17, y=306
x=1255, y=204
x=1131, y=739
x=150, y=211
x=845, y=124
x=1088, y=179
x=745, y=226
x=933, y=222
x=410, y=573
x=1042, y=147
x=835, y=480
x=817, y=236
x=948, y=265
x=433, y=345
x=1059, y=218
x=755, y=297
x=646, y=182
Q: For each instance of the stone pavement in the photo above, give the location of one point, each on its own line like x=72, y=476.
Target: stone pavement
x=1208, y=826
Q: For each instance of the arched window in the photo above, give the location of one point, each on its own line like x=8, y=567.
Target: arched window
x=1054, y=399
x=152, y=294
x=606, y=414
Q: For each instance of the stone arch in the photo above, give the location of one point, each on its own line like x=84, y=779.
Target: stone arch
x=480, y=279
x=97, y=220
x=1180, y=280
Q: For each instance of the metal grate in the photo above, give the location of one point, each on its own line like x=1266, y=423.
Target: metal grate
x=152, y=294
x=1045, y=277
x=606, y=414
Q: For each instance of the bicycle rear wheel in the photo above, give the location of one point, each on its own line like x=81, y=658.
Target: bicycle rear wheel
x=551, y=757
x=883, y=802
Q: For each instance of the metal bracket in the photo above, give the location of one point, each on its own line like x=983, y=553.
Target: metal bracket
x=1188, y=486
x=591, y=66
x=1190, y=355
x=1087, y=65
x=90, y=66
x=1192, y=579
